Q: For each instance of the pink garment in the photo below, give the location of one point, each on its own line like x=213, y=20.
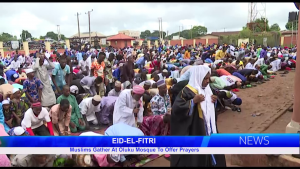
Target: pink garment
x=4, y=160
x=102, y=160
x=2, y=131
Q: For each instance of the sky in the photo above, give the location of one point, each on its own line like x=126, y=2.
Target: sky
x=109, y=18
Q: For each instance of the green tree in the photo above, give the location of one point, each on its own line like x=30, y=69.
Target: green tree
x=289, y=26
x=188, y=33
x=53, y=35
x=4, y=37
x=245, y=33
x=261, y=25
x=199, y=31
x=145, y=34
x=275, y=27
x=25, y=35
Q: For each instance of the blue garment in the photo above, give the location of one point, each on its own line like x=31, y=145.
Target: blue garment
x=208, y=60
x=237, y=74
x=79, y=56
x=60, y=74
x=263, y=53
x=10, y=75
x=179, y=56
x=122, y=129
x=2, y=119
x=141, y=62
x=185, y=76
x=117, y=74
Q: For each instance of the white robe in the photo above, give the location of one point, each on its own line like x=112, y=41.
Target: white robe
x=123, y=110
x=87, y=108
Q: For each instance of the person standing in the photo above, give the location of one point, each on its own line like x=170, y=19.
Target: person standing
x=60, y=74
x=127, y=72
x=193, y=114
x=97, y=69
x=32, y=87
x=109, y=62
x=41, y=72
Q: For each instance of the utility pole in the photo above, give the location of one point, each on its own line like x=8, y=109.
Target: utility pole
x=58, y=33
x=224, y=29
x=89, y=13
x=179, y=32
x=162, y=32
x=78, y=24
x=191, y=31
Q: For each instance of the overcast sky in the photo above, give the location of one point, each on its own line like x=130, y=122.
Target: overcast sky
x=109, y=18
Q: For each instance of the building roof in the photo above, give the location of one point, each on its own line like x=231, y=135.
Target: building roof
x=287, y=32
x=86, y=35
x=120, y=36
x=225, y=33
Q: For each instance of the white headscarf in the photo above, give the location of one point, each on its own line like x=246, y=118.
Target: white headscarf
x=208, y=108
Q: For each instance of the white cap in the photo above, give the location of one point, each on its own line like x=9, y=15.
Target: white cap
x=15, y=90
x=29, y=71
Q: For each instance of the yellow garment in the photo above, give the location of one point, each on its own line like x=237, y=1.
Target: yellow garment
x=136, y=70
x=187, y=55
x=148, y=76
x=168, y=81
x=220, y=55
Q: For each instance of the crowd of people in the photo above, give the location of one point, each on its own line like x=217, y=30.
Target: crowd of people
x=147, y=91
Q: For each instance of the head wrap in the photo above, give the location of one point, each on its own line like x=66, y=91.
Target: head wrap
x=160, y=83
x=15, y=90
x=29, y=71
x=138, y=89
x=37, y=104
x=74, y=89
x=118, y=84
x=197, y=74
x=126, y=84
x=97, y=98
x=5, y=102
x=165, y=71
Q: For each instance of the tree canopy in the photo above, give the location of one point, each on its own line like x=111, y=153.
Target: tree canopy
x=25, y=35
x=290, y=26
x=275, y=27
x=261, y=26
x=7, y=37
x=53, y=35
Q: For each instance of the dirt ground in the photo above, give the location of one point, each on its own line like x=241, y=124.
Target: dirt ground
x=264, y=99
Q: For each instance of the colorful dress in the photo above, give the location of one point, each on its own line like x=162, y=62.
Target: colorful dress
x=160, y=105
x=19, y=107
x=154, y=126
x=32, y=87
x=98, y=69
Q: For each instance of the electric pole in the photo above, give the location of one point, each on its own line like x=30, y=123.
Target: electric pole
x=179, y=32
x=78, y=24
x=191, y=31
x=89, y=13
x=162, y=32
x=58, y=33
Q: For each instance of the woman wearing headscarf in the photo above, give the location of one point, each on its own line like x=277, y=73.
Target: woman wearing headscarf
x=193, y=114
x=4, y=160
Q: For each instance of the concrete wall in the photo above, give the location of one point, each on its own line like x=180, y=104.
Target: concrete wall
x=188, y=42
x=120, y=43
x=30, y=51
x=1, y=49
x=174, y=42
x=287, y=40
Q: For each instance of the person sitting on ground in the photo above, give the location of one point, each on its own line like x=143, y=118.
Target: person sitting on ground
x=156, y=125
x=33, y=160
x=89, y=107
x=18, y=106
x=91, y=83
x=60, y=116
x=106, y=110
x=7, y=119
x=117, y=89
x=32, y=87
x=18, y=131
x=123, y=129
x=76, y=122
x=34, y=121
x=161, y=103
x=235, y=101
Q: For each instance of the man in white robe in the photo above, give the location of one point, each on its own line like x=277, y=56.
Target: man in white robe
x=89, y=107
x=129, y=107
